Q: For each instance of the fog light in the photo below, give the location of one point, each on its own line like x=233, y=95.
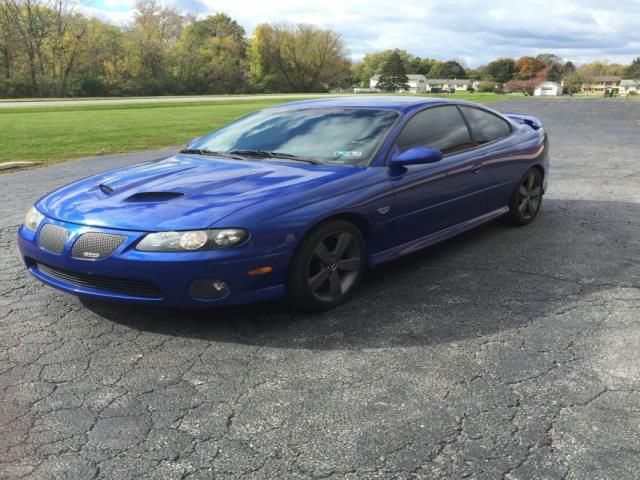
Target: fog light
x=209, y=289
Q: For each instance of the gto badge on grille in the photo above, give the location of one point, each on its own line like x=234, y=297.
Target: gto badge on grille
x=90, y=255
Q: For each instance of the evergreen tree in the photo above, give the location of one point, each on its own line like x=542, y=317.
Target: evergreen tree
x=393, y=76
x=554, y=73
x=568, y=69
x=633, y=70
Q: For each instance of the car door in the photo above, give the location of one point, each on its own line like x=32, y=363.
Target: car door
x=499, y=171
x=432, y=197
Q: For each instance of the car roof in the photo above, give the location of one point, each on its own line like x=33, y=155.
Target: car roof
x=383, y=102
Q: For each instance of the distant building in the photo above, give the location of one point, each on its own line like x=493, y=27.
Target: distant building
x=553, y=89
x=629, y=87
x=365, y=90
x=417, y=83
x=601, y=85
x=421, y=84
x=435, y=85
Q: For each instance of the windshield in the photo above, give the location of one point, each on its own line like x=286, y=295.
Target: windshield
x=329, y=136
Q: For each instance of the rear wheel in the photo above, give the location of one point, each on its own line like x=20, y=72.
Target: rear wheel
x=327, y=266
x=526, y=199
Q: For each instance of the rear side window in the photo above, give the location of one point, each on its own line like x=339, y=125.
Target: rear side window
x=438, y=127
x=485, y=127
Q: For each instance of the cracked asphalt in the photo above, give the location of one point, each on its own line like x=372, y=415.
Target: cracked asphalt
x=506, y=353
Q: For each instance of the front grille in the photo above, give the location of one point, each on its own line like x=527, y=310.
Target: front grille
x=134, y=288
x=52, y=238
x=96, y=246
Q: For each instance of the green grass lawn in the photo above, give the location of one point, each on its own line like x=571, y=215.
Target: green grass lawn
x=53, y=134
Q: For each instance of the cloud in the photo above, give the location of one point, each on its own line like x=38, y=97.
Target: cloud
x=473, y=30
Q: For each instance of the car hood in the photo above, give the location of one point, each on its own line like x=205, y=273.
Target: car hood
x=181, y=192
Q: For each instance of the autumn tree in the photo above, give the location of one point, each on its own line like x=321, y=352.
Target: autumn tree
x=8, y=41
x=101, y=65
x=393, y=75
x=210, y=56
x=31, y=22
x=526, y=86
x=154, y=32
x=599, y=68
x=65, y=41
x=528, y=67
x=296, y=58
x=572, y=83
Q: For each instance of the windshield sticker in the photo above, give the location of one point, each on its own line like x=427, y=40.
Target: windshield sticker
x=347, y=153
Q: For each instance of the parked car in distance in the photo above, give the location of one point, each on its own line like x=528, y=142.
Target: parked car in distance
x=294, y=201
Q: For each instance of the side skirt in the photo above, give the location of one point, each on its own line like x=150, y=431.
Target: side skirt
x=433, y=238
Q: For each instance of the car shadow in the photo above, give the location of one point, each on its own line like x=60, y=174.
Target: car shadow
x=492, y=278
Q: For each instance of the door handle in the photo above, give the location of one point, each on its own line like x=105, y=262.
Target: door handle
x=477, y=168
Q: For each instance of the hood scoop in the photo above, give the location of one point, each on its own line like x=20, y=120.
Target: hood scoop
x=153, y=196
x=106, y=189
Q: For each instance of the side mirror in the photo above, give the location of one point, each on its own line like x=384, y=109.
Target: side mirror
x=416, y=156
x=192, y=141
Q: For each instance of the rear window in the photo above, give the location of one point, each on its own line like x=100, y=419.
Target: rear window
x=485, y=127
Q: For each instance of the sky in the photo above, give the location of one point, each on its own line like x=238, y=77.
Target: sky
x=474, y=31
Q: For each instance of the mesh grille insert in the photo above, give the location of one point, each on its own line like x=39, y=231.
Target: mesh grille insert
x=52, y=238
x=134, y=288
x=96, y=246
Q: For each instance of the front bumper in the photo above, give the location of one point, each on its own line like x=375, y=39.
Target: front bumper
x=172, y=273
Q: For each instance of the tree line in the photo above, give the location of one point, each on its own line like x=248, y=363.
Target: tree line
x=521, y=74
x=48, y=48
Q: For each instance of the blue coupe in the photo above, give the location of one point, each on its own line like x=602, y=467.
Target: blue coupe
x=293, y=201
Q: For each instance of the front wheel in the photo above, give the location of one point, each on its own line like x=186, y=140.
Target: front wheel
x=526, y=199
x=326, y=267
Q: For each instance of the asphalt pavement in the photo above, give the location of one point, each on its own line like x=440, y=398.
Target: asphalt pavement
x=505, y=353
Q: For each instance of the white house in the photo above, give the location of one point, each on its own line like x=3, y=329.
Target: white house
x=436, y=85
x=629, y=86
x=553, y=89
x=417, y=83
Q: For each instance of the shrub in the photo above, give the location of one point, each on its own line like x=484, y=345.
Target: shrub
x=486, y=86
x=18, y=87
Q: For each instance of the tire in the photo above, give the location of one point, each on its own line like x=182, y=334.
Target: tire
x=526, y=199
x=326, y=267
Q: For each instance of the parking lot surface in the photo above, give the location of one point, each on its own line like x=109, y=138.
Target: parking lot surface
x=506, y=352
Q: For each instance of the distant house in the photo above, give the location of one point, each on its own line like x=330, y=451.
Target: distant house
x=417, y=83
x=548, y=89
x=365, y=90
x=629, y=87
x=436, y=85
x=601, y=85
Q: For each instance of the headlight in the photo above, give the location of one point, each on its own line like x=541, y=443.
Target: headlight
x=33, y=219
x=192, y=240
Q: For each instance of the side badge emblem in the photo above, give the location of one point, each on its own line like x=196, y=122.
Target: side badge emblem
x=384, y=210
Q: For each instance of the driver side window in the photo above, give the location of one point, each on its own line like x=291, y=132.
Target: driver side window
x=438, y=127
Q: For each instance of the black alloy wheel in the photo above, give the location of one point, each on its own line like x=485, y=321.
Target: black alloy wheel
x=327, y=266
x=527, y=198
